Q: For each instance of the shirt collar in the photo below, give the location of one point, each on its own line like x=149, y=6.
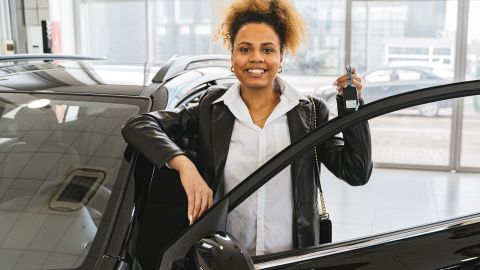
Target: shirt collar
x=288, y=91
x=288, y=100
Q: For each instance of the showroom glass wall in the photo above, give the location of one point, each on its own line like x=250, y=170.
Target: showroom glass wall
x=182, y=27
x=393, y=45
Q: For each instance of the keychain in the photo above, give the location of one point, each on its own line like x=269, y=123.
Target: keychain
x=350, y=95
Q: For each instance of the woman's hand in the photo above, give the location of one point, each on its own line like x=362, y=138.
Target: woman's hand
x=344, y=80
x=199, y=195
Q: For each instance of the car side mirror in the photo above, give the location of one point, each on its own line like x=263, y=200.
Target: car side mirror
x=218, y=251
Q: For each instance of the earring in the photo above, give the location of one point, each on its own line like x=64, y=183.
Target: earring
x=280, y=69
x=231, y=68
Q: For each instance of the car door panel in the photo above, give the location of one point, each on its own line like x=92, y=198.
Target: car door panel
x=428, y=247
x=164, y=216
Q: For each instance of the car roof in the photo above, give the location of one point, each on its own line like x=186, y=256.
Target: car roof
x=70, y=76
x=64, y=75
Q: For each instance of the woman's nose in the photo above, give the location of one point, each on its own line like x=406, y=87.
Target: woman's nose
x=256, y=56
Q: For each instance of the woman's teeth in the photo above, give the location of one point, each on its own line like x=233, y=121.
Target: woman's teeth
x=256, y=71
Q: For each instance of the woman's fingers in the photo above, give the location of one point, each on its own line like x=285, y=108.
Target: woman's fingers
x=202, y=202
x=344, y=81
x=355, y=82
x=358, y=85
x=197, y=206
x=199, y=194
x=210, y=201
x=191, y=200
x=348, y=69
x=200, y=199
x=204, y=205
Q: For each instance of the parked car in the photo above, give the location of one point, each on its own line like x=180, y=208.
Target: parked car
x=389, y=81
x=74, y=195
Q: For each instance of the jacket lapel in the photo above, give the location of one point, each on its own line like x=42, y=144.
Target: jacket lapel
x=299, y=126
x=222, y=127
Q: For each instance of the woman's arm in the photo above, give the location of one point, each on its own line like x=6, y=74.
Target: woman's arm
x=154, y=136
x=349, y=158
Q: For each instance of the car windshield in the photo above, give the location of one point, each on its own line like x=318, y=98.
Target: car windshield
x=59, y=160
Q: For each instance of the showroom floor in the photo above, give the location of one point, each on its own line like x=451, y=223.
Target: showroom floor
x=398, y=199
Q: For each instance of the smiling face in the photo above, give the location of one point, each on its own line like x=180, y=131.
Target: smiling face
x=256, y=56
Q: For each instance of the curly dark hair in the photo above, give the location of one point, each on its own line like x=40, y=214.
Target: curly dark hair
x=279, y=14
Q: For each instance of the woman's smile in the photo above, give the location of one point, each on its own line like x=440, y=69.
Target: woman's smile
x=256, y=72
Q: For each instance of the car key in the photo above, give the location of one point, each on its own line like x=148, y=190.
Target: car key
x=350, y=97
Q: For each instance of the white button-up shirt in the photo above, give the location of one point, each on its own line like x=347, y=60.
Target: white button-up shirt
x=263, y=222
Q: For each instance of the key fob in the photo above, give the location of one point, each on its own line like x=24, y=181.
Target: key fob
x=350, y=98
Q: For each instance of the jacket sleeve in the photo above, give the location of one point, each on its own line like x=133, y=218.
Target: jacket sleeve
x=160, y=135
x=349, y=158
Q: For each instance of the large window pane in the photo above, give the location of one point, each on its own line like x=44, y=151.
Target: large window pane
x=181, y=27
x=323, y=51
x=397, y=33
x=396, y=48
x=405, y=137
x=471, y=107
x=5, y=29
x=470, y=156
x=115, y=29
x=321, y=58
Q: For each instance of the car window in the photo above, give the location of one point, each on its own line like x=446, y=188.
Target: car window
x=185, y=97
x=179, y=87
x=59, y=159
x=226, y=82
x=379, y=76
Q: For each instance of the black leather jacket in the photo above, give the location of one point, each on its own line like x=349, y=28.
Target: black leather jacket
x=203, y=133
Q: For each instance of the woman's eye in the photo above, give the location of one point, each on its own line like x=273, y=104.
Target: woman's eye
x=268, y=50
x=244, y=50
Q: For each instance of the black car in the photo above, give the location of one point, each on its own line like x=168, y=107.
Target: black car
x=389, y=81
x=75, y=196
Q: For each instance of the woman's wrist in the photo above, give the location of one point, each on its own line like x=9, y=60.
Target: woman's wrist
x=180, y=163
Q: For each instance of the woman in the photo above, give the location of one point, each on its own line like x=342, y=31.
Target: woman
x=232, y=132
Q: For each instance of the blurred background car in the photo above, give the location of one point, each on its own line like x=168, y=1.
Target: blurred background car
x=388, y=81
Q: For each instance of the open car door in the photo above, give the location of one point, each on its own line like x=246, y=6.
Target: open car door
x=452, y=244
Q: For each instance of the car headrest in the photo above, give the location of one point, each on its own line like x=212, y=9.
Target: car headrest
x=34, y=122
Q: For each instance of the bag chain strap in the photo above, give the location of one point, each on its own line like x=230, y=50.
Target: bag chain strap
x=322, y=199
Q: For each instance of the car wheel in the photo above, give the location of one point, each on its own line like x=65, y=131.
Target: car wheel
x=332, y=105
x=429, y=109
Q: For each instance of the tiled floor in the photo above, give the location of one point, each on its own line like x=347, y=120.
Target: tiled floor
x=398, y=199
